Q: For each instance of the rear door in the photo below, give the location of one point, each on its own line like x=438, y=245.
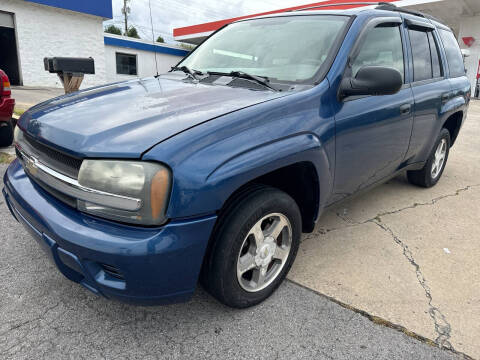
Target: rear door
x=373, y=132
x=430, y=86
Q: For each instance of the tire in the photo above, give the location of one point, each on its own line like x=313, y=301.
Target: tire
x=432, y=171
x=234, y=241
x=6, y=133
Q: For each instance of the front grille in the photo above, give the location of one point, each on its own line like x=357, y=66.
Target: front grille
x=57, y=194
x=59, y=161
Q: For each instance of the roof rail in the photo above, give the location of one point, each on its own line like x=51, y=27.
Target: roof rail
x=392, y=7
x=380, y=3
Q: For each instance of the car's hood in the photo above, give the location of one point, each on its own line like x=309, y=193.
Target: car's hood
x=127, y=118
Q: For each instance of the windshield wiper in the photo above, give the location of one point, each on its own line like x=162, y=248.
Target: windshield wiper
x=192, y=73
x=262, y=80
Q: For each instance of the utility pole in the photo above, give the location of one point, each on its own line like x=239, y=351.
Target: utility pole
x=126, y=12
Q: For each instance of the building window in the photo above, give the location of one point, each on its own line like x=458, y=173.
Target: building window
x=126, y=64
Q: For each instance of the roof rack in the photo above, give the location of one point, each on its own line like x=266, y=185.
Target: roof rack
x=344, y=4
x=381, y=5
x=392, y=7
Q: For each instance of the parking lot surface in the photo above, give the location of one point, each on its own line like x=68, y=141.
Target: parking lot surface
x=408, y=255
x=43, y=315
x=402, y=256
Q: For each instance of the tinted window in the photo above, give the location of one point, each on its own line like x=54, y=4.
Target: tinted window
x=454, y=55
x=382, y=47
x=436, y=64
x=126, y=64
x=422, y=60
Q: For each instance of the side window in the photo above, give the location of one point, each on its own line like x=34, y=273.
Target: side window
x=382, y=47
x=422, y=59
x=436, y=62
x=454, y=55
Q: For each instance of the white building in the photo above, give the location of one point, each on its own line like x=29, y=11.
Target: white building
x=127, y=57
x=33, y=29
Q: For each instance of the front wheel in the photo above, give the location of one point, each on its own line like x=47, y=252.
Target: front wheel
x=433, y=169
x=254, y=247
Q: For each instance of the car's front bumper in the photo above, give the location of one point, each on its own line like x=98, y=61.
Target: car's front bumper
x=132, y=264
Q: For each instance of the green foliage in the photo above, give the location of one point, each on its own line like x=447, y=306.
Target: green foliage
x=187, y=46
x=112, y=29
x=160, y=39
x=133, y=33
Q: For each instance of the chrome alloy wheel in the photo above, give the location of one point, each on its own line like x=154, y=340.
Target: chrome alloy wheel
x=439, y=160
x=264, y=252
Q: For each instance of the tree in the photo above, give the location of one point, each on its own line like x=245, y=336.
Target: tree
x=133, y=33
x=187, y=46
x=112, y=29
x=160, y=39
x=126, y=12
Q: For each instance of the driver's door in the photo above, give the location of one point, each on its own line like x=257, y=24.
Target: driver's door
x=373, y=132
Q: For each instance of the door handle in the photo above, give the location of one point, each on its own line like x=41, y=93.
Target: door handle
x=405, y=109
x=445, y=98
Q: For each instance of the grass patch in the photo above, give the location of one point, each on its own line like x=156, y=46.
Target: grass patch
x=6, y=158
x=18, y=112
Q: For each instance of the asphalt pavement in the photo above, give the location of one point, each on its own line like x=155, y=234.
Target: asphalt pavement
x=44, y=315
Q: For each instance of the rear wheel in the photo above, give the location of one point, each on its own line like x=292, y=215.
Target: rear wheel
x=6, y=133
x=254, y=247
x=433, y=169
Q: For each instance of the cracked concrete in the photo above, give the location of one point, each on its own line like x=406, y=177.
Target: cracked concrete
x=408, y=255
x=442, y=327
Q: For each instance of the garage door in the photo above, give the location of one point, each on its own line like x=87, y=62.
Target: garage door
x=8, y=46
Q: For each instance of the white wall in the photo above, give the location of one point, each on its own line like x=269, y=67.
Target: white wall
x=470, y=26
x=145, y=61
x=44, y=31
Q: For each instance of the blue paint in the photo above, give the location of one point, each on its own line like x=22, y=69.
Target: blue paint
x=101, y=8
x=153, y=261
x=145, y=47
x=215, y=139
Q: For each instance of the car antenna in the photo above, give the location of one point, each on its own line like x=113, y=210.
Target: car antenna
x=153, y=37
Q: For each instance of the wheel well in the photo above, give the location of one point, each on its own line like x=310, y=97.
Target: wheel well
x=453, y=124
x=300, y=181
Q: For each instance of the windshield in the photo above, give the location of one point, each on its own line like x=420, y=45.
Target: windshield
x=289, y=48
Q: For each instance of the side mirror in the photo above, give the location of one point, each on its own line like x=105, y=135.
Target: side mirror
x=372, y=80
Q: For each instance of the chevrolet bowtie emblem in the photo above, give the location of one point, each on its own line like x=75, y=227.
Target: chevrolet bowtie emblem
x=30, y=165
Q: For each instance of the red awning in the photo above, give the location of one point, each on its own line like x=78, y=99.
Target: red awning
x=196, y=33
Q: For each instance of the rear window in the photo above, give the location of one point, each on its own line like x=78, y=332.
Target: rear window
x=454, y=55
x=426, y=55
x=422, y=60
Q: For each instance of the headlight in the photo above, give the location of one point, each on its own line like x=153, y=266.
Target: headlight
x=148, y=183
x=16, y=133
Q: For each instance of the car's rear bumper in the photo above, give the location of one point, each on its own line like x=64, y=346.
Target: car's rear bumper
x=6, y=108
x=132, y=264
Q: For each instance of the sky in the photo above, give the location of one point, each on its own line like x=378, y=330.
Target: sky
x=170, y=14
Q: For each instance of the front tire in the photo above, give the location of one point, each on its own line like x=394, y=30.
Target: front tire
x=254, y=247
x=433, y=169
x=6, y=133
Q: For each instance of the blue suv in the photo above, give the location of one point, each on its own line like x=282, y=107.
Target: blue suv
x=137, y=190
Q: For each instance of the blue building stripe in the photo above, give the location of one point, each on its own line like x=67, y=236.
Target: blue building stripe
x=145, y=47
x=101, y=8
